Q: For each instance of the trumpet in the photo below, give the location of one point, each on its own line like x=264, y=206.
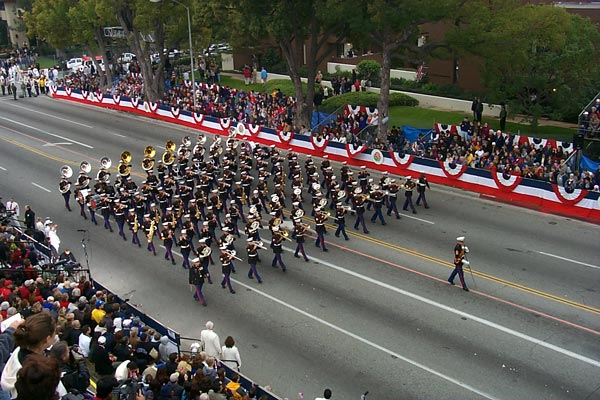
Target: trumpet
x=259, y=244
x=232, y=253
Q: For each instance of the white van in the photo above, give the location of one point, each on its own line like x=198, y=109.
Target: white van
x=74, y=63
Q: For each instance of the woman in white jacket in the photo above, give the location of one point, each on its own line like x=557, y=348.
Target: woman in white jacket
x=230, y=355
x=33, y=336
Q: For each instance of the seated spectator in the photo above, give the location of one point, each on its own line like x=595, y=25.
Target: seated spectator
x=75, y=375
x=166, y=348
x=127, y=370
x=101, y=359
x=237, y=391
x=38, y=379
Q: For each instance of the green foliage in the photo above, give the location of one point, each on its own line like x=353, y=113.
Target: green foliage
x=541, y=60
x=367, y=99
x=286, y=86
x=369, y=70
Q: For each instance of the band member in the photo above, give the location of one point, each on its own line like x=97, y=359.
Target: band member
x=358, y=203
x=377, y=197
x=81, y=202
x=225, y=259
x=277, y=246
x=186, y=249
x=167, y=237
x=119, y=211
x=134, y=226
x=252, y=251
x=320, y=218
x=234, y=216
x=196, y=279
x=149, y=226
x=227, y=240
x=409, y=185
x=340, y=219
x=299, y=231
x=392, y=198
x=363, y=178
x=422, y=185
x=205, y=258
x=459, y=259
x=105, y=210
x=65, y=189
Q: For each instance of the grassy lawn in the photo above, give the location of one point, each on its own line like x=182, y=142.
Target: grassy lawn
x=47, y=62
x=417, y=116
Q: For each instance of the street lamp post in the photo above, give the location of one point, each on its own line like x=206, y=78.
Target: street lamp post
x=187, y=9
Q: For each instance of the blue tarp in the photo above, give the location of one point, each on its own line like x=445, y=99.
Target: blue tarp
x=322, y=119
x=588, y=163
x=412, y=134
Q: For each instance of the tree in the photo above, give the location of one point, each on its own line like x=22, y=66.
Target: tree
x=541, y=60
x=291, y=24
x=49, y=21
x=394, y=25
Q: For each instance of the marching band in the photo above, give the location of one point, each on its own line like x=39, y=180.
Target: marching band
x=196, y=190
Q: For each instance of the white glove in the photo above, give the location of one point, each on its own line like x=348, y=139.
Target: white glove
x=466, y=249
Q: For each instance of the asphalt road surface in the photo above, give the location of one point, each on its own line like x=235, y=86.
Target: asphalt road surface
x=373, y=314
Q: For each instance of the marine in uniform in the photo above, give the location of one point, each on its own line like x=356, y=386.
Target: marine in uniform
x=393, y=191
x=422, y=185
x=320, y=218
x=299, y=231
x=252, y=252
x=134, y=226
x=149, y=226
x=225, y=259
x=409, y=185
x=277, y=246
x=459, y=259
x=377, y=198
x=340, y=220
x=196, y=279
x=166, y=234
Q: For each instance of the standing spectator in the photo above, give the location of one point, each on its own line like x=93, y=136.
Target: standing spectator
x=85, y=340
x=503, y=115
x=263, y=75
x=474, y=106
x=29, y=218
x=210, y=341
x=230, y=354
x=247, y=75
x=33, y=336
x=479, y=110
x=13, y=208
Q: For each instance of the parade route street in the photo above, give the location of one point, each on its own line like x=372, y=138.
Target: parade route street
x=375, y=313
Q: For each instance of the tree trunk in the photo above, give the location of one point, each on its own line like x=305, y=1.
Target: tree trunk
x=107, y=63
x=383, y=104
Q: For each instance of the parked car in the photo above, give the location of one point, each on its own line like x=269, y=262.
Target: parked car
x=74, y=63
x=127, y=58
x=218, y=48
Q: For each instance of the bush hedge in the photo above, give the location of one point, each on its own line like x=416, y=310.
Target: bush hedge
x=367, y=99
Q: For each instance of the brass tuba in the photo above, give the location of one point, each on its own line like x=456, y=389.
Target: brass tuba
x=85, y=167
x=105, y=163
x=147, y=164
x=168, y=157
x=205, y=252
x=124, y=169
x=149, y=152
x=126, y=157
x=170, y=146
x=66, y=172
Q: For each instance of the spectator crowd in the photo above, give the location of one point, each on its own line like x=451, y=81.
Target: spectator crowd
x=62, y=332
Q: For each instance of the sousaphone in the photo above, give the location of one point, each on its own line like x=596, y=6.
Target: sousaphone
x=66, y=172
x=322, y=203
x=341, y=194
x=297, y=191
x=149, y=152
x=168, y=157
x=85, y=167
x=170, y=146
x=205, y=252
x=299, y=213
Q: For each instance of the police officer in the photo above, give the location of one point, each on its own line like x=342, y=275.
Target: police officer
x=196, y=278
x=459, y=260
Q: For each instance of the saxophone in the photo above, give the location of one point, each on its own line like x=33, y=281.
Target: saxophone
x=136, y=224
x=151, y=231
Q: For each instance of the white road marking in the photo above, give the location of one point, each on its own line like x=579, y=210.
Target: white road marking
x=368, y=342
x=117, y=134
x=41, y=187
x=57, y=144
x=3, y=169
x=569, y=260
x=418, y=219
x=47, y=133
x=52, y=116
x=460, y=313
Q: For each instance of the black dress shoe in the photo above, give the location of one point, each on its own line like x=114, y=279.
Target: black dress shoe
x=466, y=289
x=450, y=282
